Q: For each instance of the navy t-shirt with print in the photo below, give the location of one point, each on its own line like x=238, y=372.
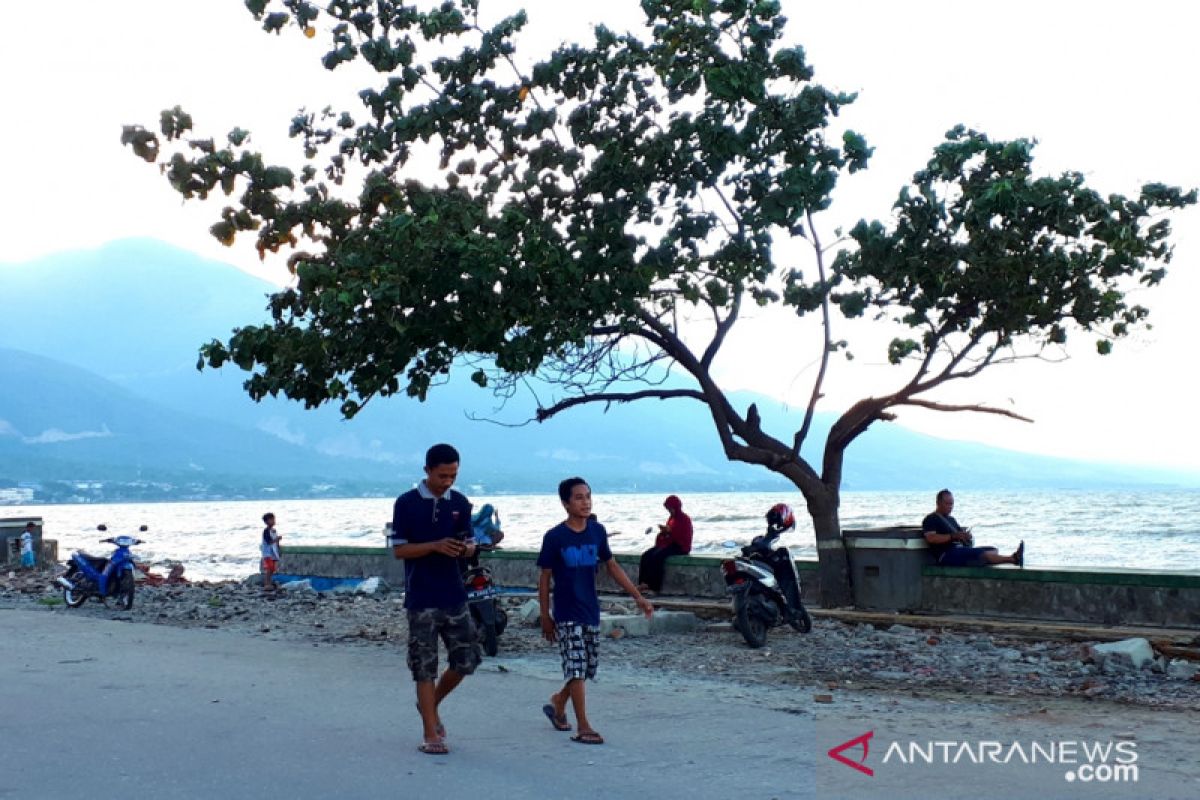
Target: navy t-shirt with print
x=432, y=581
x=572, y=557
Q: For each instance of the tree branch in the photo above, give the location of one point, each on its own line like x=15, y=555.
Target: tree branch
x=723, y=327
x=826, y=326
x=935, y=406
x=608, y=398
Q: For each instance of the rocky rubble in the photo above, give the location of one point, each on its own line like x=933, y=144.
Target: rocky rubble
x=834, y=655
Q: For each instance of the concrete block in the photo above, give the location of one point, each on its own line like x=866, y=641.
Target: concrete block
x=673, y=622
x=1131, y=653
x=529, y=612
x=631, y=624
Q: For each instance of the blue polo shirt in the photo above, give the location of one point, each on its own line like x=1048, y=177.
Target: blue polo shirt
x=573, y=558
x=432, y=581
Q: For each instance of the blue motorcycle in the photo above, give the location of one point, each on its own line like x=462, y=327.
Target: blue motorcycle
x=99, y=577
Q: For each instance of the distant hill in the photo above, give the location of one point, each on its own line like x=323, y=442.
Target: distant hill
x=59, y=423
x=105, y=343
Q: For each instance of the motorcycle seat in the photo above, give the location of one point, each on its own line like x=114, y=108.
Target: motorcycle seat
x=98, y=562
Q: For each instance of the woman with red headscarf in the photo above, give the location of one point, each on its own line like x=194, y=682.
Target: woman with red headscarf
x=674, y=539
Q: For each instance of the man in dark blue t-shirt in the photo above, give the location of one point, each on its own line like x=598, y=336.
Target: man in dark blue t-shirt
x=951, y=543
x=572, y=551
x=431, y=530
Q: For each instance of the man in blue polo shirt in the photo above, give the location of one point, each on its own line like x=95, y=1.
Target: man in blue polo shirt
x=431, y=530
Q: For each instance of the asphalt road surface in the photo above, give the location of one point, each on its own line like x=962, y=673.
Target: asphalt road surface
x=114, y=709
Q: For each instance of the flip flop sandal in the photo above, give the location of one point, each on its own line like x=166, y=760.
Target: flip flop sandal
x=559, y=723
x=433, y=748
x=588, y=737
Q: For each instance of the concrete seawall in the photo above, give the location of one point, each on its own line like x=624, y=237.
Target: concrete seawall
x=1112, y=596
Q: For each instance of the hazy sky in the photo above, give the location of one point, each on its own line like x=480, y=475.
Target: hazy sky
x=1108, y=88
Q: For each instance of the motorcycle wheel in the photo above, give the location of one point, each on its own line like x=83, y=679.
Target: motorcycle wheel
x=801, y=621
x=125, y=591
x=749, y=624
x=501, y=619
x=74, y=598
x=491, y=645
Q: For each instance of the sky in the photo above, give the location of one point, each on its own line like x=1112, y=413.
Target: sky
x=1106, y=90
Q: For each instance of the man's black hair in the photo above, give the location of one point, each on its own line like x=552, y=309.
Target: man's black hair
x=942, y=494
x=267, y=516
x=440, y=454
x=566, y=487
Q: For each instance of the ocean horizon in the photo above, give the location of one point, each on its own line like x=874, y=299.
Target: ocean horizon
x=218, y=540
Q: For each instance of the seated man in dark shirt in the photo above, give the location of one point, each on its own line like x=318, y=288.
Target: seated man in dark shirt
x=951, y=542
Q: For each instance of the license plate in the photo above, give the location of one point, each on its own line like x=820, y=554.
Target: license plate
x=481, y=594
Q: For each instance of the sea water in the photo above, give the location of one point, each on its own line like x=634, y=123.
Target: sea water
x=1157, y=530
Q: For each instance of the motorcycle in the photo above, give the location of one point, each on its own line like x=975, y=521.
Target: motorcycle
x=99, y=577
x=764, y=583
x=483, y=599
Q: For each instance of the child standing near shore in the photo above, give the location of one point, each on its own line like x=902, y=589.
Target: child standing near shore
x=570, y=555
x=270, y=551
x=27, y=559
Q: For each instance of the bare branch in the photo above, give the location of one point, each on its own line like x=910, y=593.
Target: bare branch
x=935, y=406
x=723, y=327
x=826, y=326
x=609, y=398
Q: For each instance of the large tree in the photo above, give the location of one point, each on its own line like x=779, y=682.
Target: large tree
x=599, y=218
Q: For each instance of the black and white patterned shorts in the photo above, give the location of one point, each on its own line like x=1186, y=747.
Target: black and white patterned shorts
x=579, y=646
x=454, y=627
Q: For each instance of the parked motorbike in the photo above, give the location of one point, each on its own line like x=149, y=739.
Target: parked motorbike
x=483, y=599
x=764, y=583
x=99, y=577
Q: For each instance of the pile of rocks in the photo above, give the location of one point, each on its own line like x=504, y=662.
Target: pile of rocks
x=834, y=655
x=26, y=582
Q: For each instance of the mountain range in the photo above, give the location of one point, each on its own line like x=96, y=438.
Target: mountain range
x=102, y=401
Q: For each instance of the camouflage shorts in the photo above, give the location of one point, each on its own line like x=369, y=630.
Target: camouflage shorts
x=454, y=626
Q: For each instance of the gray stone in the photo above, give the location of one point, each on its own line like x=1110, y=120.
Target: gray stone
x=1182, y=670
x=529, y=612
x=1129, y=653
x=630, y=624
x=861, y=654
x=673, y=622
x=901, y=630
x=374, y=585
x=1113, y=666
x=1010, y=654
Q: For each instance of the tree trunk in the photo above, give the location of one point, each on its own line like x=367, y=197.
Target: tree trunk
x=833, y=565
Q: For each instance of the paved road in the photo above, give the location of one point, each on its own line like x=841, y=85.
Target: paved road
x=112, y=709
